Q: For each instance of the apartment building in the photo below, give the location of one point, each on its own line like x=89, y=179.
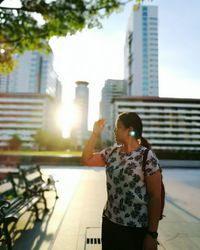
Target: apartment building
x=24, y=114
x=168, y=123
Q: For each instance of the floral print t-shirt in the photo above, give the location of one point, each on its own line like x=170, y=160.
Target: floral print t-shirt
x=126, y=191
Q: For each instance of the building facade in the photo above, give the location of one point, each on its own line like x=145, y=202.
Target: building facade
x=24, y=115
x=168, y=123
x=141, y=52
x=29, y=98
x=112, y=88
x=33, y=73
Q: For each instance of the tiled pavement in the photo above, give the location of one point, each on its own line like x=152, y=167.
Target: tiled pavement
x=78, y=210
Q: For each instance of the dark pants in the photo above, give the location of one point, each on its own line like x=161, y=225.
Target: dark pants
x=117, y=237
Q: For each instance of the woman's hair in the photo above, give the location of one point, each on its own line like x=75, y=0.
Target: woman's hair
x=132, y=119
x=145, y=143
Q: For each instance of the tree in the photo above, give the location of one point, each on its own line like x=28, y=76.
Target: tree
x=42, y=138
x=30, y=26
x=46, y=140
x=15, y=142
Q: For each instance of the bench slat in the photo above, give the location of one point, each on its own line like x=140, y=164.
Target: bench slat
x=18, y=210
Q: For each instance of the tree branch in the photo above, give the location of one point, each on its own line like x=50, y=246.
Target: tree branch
x=18, y=9
x=10, y=41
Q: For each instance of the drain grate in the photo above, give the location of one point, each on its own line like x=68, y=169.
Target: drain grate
x=93, y=241
x=93, y=238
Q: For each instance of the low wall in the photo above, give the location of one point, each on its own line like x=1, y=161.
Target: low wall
x=180, y=163
x=75, y=161
x=41, y=160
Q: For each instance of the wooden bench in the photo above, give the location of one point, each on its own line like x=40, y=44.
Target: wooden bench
x=13, y=205
x=36, y=183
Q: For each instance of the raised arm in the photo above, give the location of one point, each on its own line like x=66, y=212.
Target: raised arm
x=89, y=158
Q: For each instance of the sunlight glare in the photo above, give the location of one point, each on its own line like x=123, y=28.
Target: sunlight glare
x=67, y=119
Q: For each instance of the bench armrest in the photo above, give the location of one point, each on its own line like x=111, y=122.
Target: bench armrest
x=4, y=204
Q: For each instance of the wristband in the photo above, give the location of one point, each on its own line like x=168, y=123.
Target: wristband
x=154, y=235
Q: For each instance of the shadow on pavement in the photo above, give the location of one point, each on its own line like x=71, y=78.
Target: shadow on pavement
x=29, y=234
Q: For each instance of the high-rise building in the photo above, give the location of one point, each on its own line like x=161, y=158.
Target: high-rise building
x=80, y=129
x=33, y=73
x=141, y=52
x=112, y=88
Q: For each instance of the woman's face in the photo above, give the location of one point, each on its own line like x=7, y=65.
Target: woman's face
x=121, y=133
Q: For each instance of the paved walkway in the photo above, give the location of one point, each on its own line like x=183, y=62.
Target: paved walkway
x=77, y=215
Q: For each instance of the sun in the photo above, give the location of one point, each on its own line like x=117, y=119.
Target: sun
x=67, y=118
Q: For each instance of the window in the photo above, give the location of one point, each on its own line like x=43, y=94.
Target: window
x=153, y=23
x=153, y=18
x=144, y=8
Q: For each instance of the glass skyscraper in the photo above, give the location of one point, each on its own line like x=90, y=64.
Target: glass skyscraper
x=141, y=52
x=112, y=88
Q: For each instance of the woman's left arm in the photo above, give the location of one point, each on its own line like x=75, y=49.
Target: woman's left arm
x=153, y=184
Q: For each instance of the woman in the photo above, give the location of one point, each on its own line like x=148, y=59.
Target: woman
x=132, y=211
